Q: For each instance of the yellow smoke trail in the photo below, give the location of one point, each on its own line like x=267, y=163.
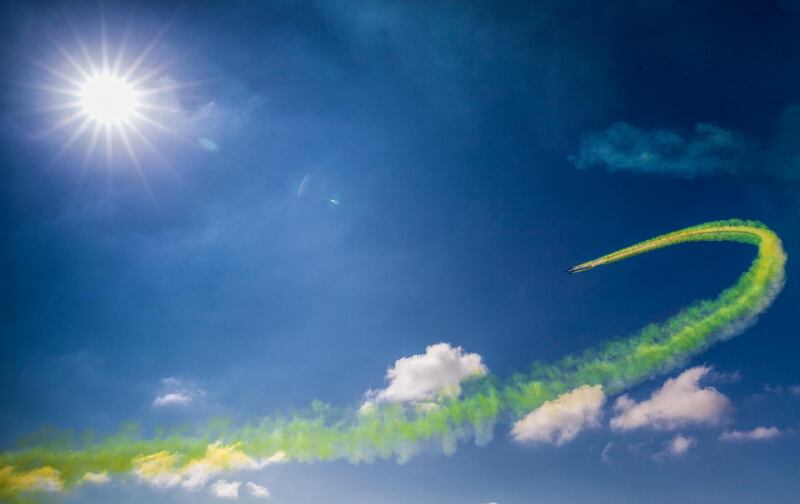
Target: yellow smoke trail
x=397, y=430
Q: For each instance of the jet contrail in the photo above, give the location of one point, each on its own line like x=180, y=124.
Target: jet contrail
x=400, y=430
x=660, y=348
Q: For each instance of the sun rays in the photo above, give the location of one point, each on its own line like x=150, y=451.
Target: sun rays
x=105, y=99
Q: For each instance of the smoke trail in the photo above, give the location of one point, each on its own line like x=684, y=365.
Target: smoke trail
x=400, y=430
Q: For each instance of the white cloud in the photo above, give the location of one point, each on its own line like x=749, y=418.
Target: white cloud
x=439, y=371
x=757, y=434
x=561, y=419
x=257, y=490
x=225, y=489
x=680, y=444
x=167, y=470
x=795, y=390
x=676, y=447
x=46, y=484
x=680, y=401
x=173, y=398
x=175, y=392
x=97, y=478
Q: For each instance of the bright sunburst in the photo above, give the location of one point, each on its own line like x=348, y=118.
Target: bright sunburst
x=107, y=101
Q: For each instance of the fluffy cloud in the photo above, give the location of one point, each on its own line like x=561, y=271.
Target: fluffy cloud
x=707, y=149
x=257, y=490
x=757, y=434
x=225, y=489
x=175, y=392
x=561, y=419
x=439, y=371
x=680, y=401
x=166, y=470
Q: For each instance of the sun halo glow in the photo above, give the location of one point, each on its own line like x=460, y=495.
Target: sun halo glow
x=108, y=99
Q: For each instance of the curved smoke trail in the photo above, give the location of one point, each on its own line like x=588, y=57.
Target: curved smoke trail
x=398, y=430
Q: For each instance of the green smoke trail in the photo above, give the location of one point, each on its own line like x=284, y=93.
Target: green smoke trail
x=399, y=430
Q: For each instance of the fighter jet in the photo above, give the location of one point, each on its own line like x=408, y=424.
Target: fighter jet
x=580, y=267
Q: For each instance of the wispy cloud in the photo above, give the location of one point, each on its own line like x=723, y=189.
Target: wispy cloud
x=173, y=398
x=605, y=455
x=680, y=401
x=560, y=420
x=678, y=446
x=706, y=149
x=210, y=120
x=793, y=390
x=757, y=434
x=176, y=392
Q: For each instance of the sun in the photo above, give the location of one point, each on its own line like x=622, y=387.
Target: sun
x=108, y=99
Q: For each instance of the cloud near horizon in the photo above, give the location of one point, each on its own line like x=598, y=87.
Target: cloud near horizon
x=705, y=150
x=165, y=469
x=757, y=434
x=680, y=401
x=225, y=489
x=560, y=420
x=258, y=491
x=229, y=490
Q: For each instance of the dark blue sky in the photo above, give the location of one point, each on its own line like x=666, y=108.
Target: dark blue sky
x=443, y=198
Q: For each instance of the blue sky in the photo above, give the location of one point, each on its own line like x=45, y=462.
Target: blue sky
x=339, y=185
